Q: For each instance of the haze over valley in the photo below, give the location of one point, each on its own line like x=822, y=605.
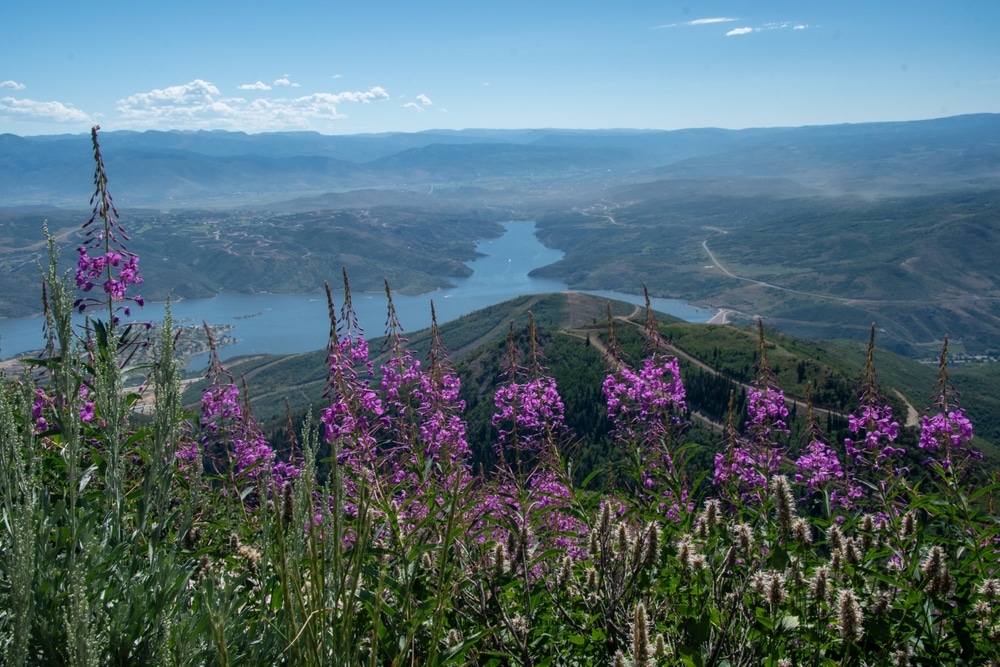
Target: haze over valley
x=819, y=230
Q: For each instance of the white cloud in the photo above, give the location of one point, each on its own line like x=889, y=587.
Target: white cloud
x=414, y=106
x=423, y=99
x=199, y=104
x=740, y=31
x=718, y=19
x=12, y=84
x=708, y=21
x=260, y=85
x=41, y=111
x=285, y=82
x=190, y=94
x=800, y=26
x=338, y=76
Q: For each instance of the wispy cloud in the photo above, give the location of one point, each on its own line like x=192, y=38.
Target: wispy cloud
x=199, y=104
x=12, y=84
x=718, y=19
x=708, y=21
x=781, y=25
x=414, y=106
x=423, y=99
x=25, y=109
x=338, y=76
x=735, y=31
x=284, y=82
x=260, y=85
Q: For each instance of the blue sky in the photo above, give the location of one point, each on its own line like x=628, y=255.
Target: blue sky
x=379, y=66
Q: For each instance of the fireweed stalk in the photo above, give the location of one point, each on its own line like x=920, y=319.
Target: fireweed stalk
x=530, y=479
x=946, y=434
x=420, y=425
x=749, y=462
x=232, y=446
x=103, y=257
x=647, y=407
x=818, y=466
x=871, y=454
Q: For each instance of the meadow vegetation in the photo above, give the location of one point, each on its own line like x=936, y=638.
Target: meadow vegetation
x=369, y=536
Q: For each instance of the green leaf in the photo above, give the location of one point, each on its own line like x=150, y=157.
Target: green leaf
x=690, y=656
x=789, y=622
x=763, y=618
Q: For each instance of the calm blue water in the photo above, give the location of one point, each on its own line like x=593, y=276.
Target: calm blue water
x=285, y=324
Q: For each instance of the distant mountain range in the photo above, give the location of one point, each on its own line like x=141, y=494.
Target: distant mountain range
x=184, y=169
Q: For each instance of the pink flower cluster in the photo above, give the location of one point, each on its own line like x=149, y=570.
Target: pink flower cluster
x=767, y=412
x=43, y=404
x=943, y=430
x=421, y=424
x=117, y=271
x=355, y=409
x=228, y=431
x=947, y=433
x=818, y=465
x=535, y=408
x=879, y=430
x=652, y=392
x=744, y=468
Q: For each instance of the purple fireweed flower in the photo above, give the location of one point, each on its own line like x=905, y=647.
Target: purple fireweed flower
x=647, y=406
x=221, y=402
x=188, y=451
x=87, y=411
x=535, y=409
x=103, y=257
x=355, y=409
x=230, y=436
x=652, y=392
x=422, y=425
x=551, y=501
x=947, y=435
x=767, y=412
x=878, y=429
x=751, y=460
x=41, y=403
x=817, y=466
x=743, y=468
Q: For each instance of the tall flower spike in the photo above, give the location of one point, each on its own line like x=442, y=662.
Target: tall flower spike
x=640, y=637
x=614, y=353
x=393, y=329
x=653, y=339
x=874, y=427
x=850, y=617
x=103, y=257
x=946, y=434
x=818, y=465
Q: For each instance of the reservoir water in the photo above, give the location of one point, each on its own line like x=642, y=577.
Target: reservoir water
x=284, y=324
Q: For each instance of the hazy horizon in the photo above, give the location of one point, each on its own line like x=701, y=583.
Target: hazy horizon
x=395, y=67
